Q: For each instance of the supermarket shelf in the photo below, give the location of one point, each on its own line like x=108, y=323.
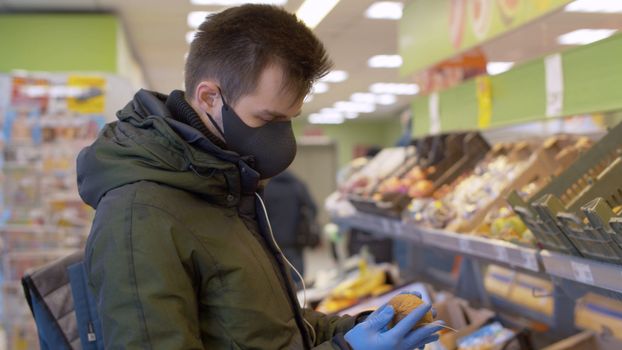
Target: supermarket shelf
x=590, y=272
x=586, y=271
x=379, y=225
x=493, y=250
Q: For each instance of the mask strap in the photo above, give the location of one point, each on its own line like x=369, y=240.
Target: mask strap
x=224, y=103
x=216, y=125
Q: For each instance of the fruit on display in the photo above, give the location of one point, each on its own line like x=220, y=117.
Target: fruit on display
x=364, y=182
x=369, y=282
x=501, y=222
x=469, y=194
x=414, y=184
x=403, y=304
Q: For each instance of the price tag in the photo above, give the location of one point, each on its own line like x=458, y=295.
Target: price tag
x=465, y=245
x=435, y=114
x=554, y=84
x=582, y=272
x=530, y=261
x=502, y=253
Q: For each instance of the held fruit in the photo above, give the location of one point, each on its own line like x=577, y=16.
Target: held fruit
x=403, y=304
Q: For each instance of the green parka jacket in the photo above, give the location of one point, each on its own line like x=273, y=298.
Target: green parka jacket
x=178, y=257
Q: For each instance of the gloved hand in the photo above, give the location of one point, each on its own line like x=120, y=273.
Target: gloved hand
x=373, y=333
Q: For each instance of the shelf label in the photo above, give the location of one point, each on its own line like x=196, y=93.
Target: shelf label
x=435, y=114
x=465, y=245
x=502, y=253
x=582, y=272
x=530, y=261
x=554, y=83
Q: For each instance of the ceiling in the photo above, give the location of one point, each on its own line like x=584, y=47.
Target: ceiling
x=156, y=30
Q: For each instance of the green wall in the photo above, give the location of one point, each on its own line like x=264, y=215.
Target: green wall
x=58, y=42
x=383, y=133
x=592, y=78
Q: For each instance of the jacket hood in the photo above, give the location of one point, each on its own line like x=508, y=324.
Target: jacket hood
x=147, y=144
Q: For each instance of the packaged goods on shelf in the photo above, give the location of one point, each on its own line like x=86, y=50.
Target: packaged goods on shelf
x=587, y=340
x=491, y=336
x=599, y=314
x=370, y=281
x=520, y=289
x=555, y=214
x=48, y=119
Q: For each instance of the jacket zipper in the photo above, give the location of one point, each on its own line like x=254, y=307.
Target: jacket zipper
x=281, y=277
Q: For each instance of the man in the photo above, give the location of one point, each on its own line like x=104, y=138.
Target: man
x=292, y=213
x=180, y=255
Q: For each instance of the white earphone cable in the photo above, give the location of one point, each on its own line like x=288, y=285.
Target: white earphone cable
x=304, y=287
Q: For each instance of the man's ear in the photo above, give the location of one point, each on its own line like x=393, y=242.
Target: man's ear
x=207, y=96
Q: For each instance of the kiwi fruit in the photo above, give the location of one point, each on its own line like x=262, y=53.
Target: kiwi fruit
x=403, y=304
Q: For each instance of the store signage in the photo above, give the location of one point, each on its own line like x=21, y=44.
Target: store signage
x=434, y=30
x=484, y=101
x=554, y=80
x=92, y=100
x=435, y=113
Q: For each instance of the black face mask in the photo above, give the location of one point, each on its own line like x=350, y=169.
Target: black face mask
x=273, y=146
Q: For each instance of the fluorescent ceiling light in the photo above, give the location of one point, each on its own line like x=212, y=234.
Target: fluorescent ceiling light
x=584, y=36
x=385, y=10
x=237, y=2
x=358, y=107
x=394, y=88
x=319, y=87
x=368, y=97
x=386, y=99
x=308, y=98
x=195, y=18
x=326, y=116
x=312, y=12
x=363, y=97
x=190, y=36
x=336, y=76
x=494, y=68
x=385, y=61
x=595, y=6
x=351, y=115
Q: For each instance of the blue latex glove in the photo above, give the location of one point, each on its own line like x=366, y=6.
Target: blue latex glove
x=373, y=333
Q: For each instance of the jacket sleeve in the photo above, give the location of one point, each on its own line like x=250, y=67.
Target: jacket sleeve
x=143, y=285
x=328, y=329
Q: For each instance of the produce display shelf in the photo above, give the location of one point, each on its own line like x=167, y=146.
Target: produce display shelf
x=586, y=271
x=380, y=226
x=493, y=250
x=497, y=251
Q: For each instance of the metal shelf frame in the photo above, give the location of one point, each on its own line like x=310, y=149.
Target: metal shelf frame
x=595, y=276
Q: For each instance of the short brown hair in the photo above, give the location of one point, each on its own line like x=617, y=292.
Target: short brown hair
x=236, y=45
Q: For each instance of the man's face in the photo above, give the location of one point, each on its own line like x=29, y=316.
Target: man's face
x=269, y=102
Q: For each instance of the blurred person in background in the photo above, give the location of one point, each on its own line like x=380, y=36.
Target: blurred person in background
x=293, y=215
x=180, y=254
